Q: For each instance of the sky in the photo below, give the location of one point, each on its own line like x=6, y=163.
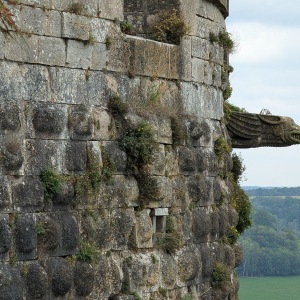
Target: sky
x=267, y=76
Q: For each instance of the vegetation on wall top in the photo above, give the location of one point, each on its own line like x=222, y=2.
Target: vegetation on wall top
x=6, y=21
x=169, y=27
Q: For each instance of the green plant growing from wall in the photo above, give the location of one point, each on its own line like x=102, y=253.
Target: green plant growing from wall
x=220, y=275
x=127, y=27
x=221, y=147
x=169, y=27
x=117, y=106
x=52, y=181
x=232, y=235
x=87, y=252
x=230, y=108
x=227, y=92
x=136, y=296
x=40, y=228
x=139, y=145
x=238, y=167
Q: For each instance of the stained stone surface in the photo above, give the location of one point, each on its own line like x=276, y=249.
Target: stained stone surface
x=88, y=231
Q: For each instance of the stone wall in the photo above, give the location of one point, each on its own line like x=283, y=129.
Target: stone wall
x=95, y=236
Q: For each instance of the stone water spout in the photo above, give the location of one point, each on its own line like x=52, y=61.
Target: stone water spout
x=248, y=130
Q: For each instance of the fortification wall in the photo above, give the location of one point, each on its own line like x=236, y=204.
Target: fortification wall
x=84, y=213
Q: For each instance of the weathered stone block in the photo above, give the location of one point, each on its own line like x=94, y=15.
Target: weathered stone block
x=141, y=273
x=25, y=237
x=48, y=119
x=65, y=196
x=207, y=161
x=102, y=125
x=51, y=51
x=36, y=281
x=5, y=195
x=111, y=9
x=75, y=27
x=35, y=82
x=169, y=270
x=76, y=156
x=84, y=278
x=10, y=116
x=60, y=276
x=37, y=21
x=21, y=48
x=207, y=261
x=201, y=71
x=189, y=265
x=187, y=160
x=108, y=277
x=144, y=229
x=11, y=282
x=158, y=161
x=123, y=221
x=5, y=237
x=79, y=54
x=1, y=46
x=80, y=123
x=202, y=101
x=200, y=48
x=201, y=225
x=117, y=156
x=200, y=190
x=154, y=59
x=42, y=155
x=28, y=195
x=98, y=59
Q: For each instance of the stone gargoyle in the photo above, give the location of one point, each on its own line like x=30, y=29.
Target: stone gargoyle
x=248, y=130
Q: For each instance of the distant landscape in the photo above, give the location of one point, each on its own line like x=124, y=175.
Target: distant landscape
x=272, y=245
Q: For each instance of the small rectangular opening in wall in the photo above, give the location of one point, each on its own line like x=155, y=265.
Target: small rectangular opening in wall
x=158, y=217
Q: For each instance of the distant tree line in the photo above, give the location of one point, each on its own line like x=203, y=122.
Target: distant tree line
x=285, y=191
x=271, y=245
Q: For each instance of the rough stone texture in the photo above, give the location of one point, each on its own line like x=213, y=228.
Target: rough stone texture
x=56, y=86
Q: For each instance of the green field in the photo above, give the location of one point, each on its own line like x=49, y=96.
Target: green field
x=270, y=288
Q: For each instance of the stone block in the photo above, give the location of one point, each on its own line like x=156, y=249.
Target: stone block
x=141, y=273
x=98, y=59
x=37, y=21
x=25, y=237
x=2, y=39
x=185, y=71
x=102, y=125
x=65, y=197
x=207, y=161
x=81, y=87
x=75, y=156
x=117, y=156
x=10, y=116
x=201, y=225
x=200, y=48
x=118, y=56
x=51, y=51
x=199, y=133
x=28, y=195
x=158, y=161
x=5, y=237
x=36, y=281
x=164, y=185
x=144, y=229
x=200, y=190
x=75, y=26
x=110, y=277
x=123, y=221
x=43, y=154
x=187, y=160
x=22, y=48
x=84, y=278
x=171, y=166
x=80, y=123
x=111, y=9
x=49, y=120
x=11, y=282
x=202, y=71
x=189, y=265
x=202, y=101
x=60, y=276
x=35, y=83
x=153, y=58
x=5, y=194
x=169, y=270
x=101, y=29
x=79, y=54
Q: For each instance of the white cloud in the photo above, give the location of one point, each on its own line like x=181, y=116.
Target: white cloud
x=261, y=43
